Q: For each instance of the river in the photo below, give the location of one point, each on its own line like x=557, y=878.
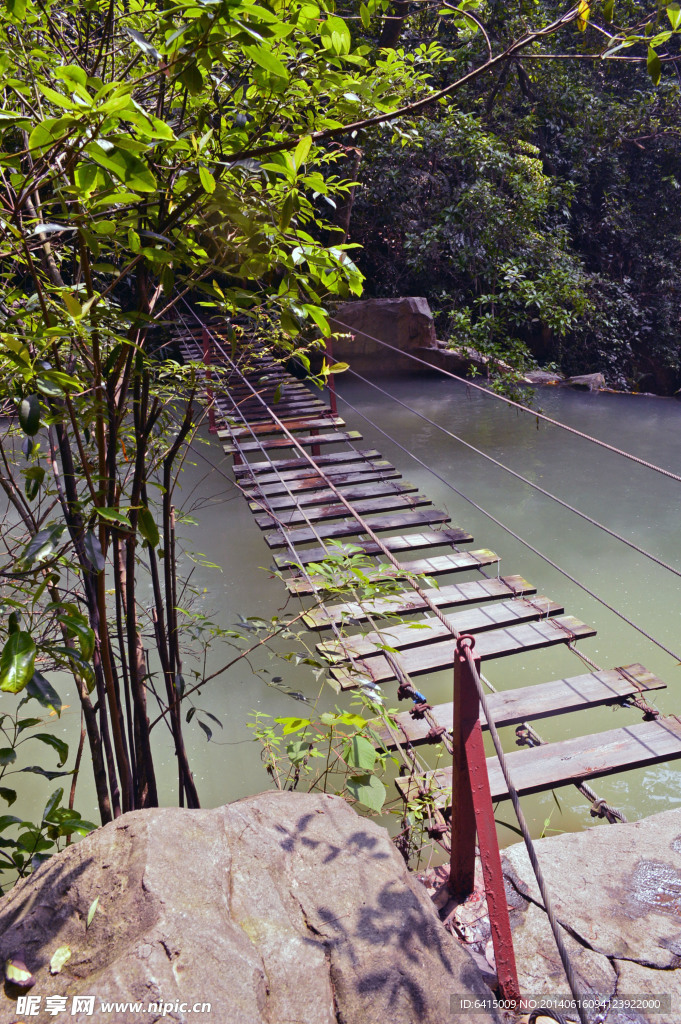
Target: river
x=632, y=500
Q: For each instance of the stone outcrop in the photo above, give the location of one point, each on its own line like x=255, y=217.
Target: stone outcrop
x=277, y=909
x=406, y=323
x=617, y=891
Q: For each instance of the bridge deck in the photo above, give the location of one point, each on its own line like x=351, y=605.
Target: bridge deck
x=299, y=495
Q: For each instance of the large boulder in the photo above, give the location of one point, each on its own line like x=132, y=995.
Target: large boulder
x=278, y=909
x=616, y=890
x=406, y=323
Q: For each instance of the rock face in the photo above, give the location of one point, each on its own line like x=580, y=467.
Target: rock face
x=617, y=889
x=406, y=323
x=277, y=909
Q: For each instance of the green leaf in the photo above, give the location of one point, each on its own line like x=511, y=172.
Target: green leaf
x=192, y=78
x=92, y=911
x=127, y=167
x=93, y=550
x=365, y=16
x=8, y=795
x=301, y=151
x=40, y=547
x=367, y=790
x=7, y=756
x=35, y=769
x=654, y=66
x=34, y=478
x=293, y=724
x=17, y=662
x=674, y=15
x=207, y=179
x=8, y=819
x=147, y=527
x=29, y=415
x=39, y=688
x=53, y=803
x=360, y=753
x=60, y=746
x=298, y=751
x=78, y=627
x=59, y=958
x=336, y=36
x=56, y=97
x=266, y=60
x=114, y=515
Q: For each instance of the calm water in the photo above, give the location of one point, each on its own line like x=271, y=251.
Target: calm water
x=641, y=505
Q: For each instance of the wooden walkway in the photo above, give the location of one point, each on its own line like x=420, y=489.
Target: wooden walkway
x=296, y=506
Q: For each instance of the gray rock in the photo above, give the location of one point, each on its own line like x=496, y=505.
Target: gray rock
x=617, y=890
x=406, y=323
x=277, y=909
x=585, y=382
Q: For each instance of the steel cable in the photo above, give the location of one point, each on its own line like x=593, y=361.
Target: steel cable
x=516, y=536
x=523, y=479
x=523, y=408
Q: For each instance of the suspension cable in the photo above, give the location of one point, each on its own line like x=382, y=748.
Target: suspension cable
x=515, y=535
x=523, y=479
x=517, y=405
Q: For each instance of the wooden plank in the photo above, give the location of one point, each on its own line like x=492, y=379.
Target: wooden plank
x=498, y=643
x=543, y=700
x=351, y=527
x=324, y=495
x=314, y=483
x=408, y=601
x=459, y=561
x=303, y=440
x=535, y=769
x=404, y=635
x=331, y=459
x=295, y=516
x=301, y=423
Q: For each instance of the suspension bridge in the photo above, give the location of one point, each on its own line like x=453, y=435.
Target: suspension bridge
x=314, y=493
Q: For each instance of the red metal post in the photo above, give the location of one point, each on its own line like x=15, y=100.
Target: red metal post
x=331, y=380
x=469, y=748
x=209, y=391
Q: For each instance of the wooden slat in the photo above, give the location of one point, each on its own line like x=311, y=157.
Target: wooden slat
x=402, y=636
x=351, y=527
x=534, y=769
x=300, y=423
x=330, y=459
x=325, y=496
x=459, y=561
x=498, y=643
x=336, y=510
x=408, y=601
x=315, y=484
x=543, y=700
x=305, y=440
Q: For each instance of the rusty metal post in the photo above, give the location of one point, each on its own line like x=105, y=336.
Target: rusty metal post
x=462, y=860
x=475, y=779
x=331, y=380
x=209, y=391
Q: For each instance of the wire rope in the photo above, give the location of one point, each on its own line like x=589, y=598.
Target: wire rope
x=516, y=536
x=522, y=408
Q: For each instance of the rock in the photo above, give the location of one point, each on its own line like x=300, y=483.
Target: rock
x=277, y=909
x=406, y=323
x=585, y=382
x=617, y=889
x=543, y=377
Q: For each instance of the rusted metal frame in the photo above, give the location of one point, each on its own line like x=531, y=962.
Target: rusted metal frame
x=473, y=811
